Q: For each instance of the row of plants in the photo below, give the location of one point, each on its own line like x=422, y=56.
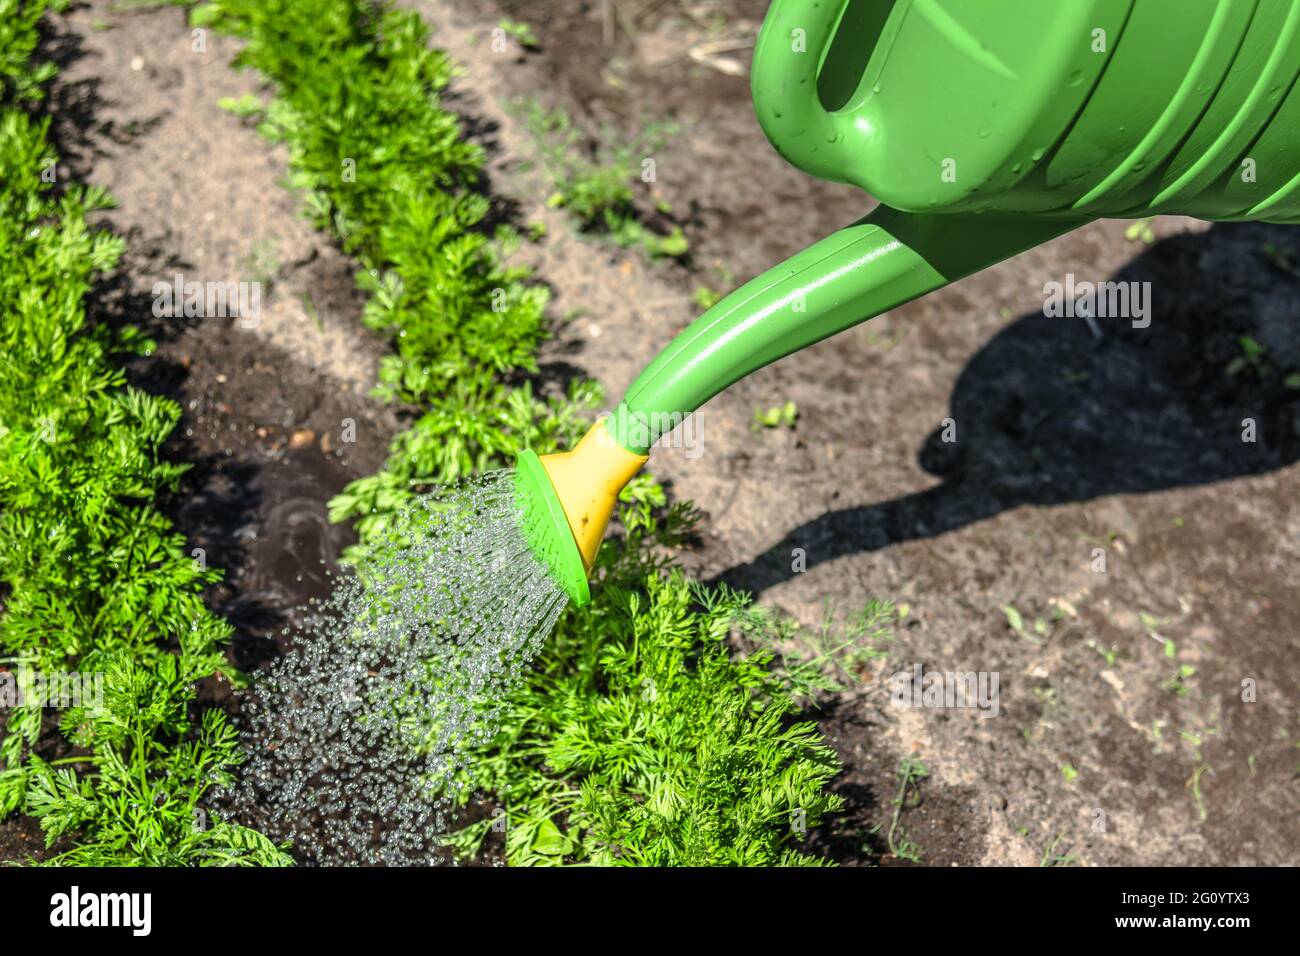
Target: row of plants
x=640, y=735
x=99, y=595
x=386, y=169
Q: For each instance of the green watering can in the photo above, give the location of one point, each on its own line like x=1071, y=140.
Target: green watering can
x=984, y=127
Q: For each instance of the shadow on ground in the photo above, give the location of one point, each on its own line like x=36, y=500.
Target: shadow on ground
x=1052, y=411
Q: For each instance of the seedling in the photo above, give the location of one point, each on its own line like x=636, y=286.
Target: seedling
x=1253, y=357
x=309, y=307
x=1140, y=231
x=1177, y=684
x=521, y=33
x=828, y=659
x=1051, y=856
x=887, y=342
x=778, y=416
x=1151, y=622
x=1194, y=785
x=598, y=188
x=1110, y=654
x=910, y=773
x=706, y=298
x=1041, y=627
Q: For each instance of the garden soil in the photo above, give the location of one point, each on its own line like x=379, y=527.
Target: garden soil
x=1098, y=535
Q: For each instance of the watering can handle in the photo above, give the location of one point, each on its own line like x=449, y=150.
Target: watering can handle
x=787, y=60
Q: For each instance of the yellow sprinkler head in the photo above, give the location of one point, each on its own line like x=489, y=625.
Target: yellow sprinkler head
x=567, y=500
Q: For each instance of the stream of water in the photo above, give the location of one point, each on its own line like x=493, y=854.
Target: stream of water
x=357, y=736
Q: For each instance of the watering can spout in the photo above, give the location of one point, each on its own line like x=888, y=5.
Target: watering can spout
x=857, y=273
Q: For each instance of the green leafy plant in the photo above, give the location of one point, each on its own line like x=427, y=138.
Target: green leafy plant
x=1041, y=627
x=247, y=107
x=21, y=80
x=97, y=581
x=381, y=164
x=642, y=739
x=707, y=296
x=138, y=800
x=827, y=659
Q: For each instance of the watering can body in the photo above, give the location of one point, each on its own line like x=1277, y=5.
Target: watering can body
x=1114, y=108
x=986, y=127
